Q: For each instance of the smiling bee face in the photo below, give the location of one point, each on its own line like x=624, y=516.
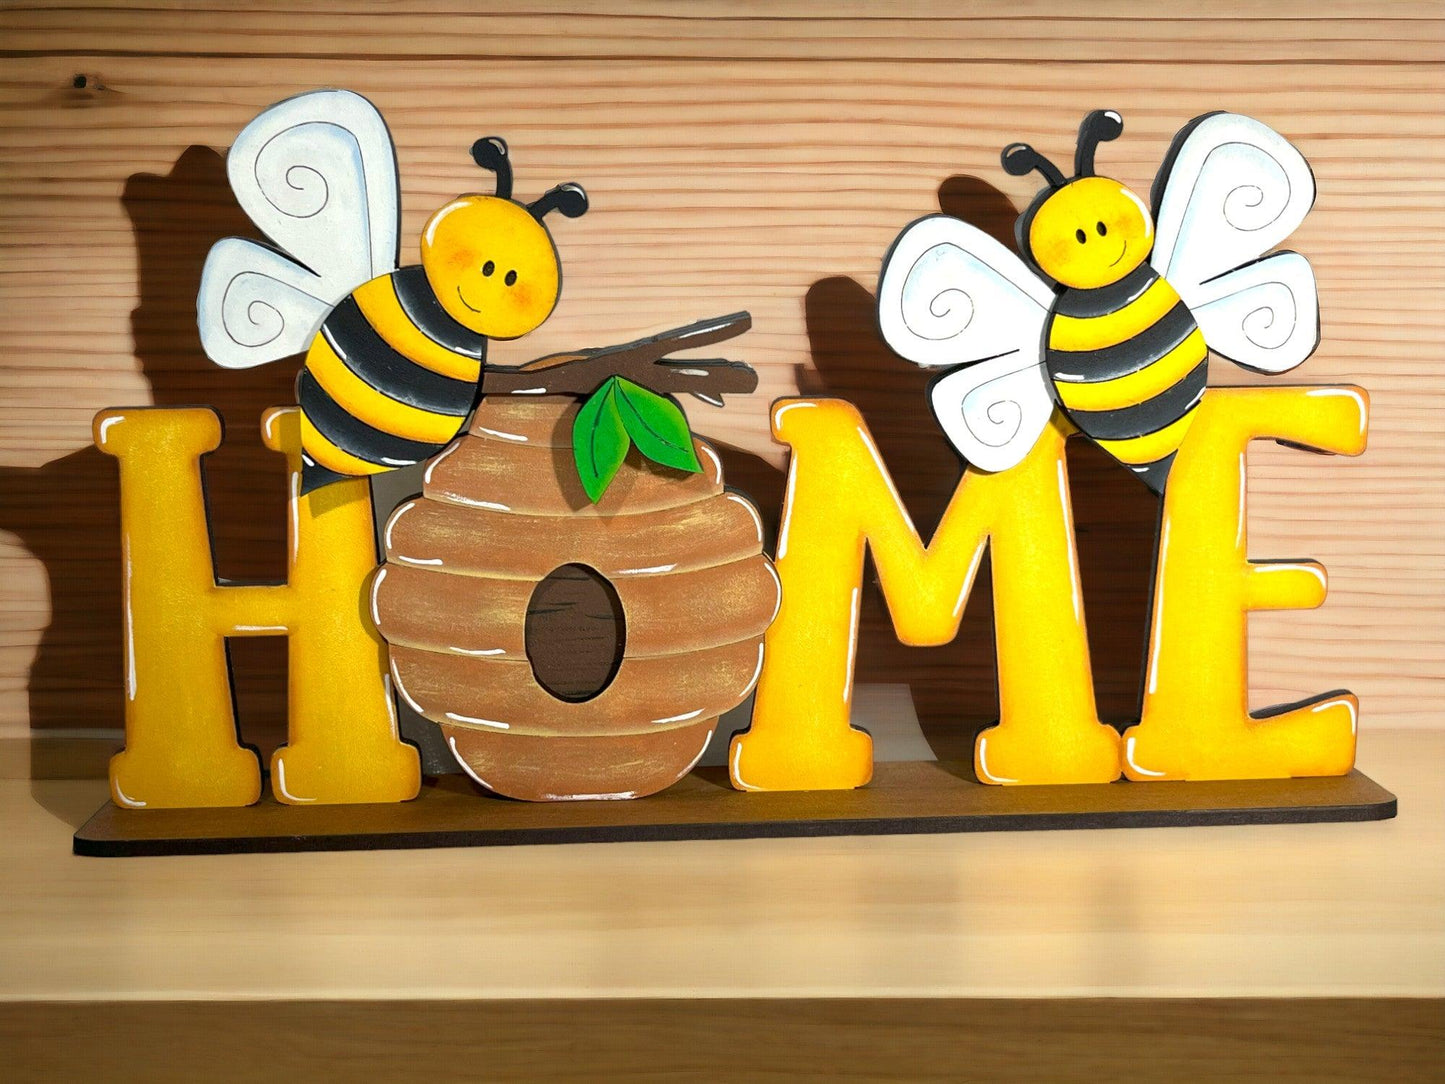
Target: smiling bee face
x=492, y=265
x=1091, y=232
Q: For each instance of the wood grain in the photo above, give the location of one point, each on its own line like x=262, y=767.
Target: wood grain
x=484, y=542
x=557, y=768
x=649, y=693
x=918, y=1041
x=666, y=613
x=752, y=29
x=738, y=156
x=536, y=481
x=1284, y=911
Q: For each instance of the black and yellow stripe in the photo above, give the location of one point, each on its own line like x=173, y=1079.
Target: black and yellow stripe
x=390, y=379
x=1129, y=366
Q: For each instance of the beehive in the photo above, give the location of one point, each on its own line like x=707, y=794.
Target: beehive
x=566, y=649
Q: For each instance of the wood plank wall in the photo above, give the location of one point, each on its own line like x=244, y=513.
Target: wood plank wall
x=738, y=155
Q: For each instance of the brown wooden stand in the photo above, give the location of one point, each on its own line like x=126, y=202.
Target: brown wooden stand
x=907, y=797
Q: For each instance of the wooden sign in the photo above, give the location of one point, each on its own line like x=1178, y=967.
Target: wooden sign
x=1102, y=326
x=603, y=700
x=575, y=599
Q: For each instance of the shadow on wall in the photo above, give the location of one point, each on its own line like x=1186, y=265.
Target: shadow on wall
x=66, y=512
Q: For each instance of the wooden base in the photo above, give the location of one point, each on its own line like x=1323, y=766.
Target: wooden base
x=908, y=797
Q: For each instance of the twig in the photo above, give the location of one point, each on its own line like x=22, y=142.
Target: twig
x=642, y=361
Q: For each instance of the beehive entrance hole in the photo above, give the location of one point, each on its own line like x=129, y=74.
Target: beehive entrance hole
x=576, y=633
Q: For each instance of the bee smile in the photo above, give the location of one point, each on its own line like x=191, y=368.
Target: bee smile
x=477, y=310
x=1120, y=256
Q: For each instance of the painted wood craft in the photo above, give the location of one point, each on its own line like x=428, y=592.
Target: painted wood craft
x=1102, y=327
x=575, y=616
x=393, y=356
x=613, y=691
x=1111, y=312
x=575, y=599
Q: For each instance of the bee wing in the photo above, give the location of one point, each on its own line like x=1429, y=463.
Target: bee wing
x=317, y=174
x=1231, y=189
x=256, y=306
x=1264, y=316
x=949, y=294
x=993, y=411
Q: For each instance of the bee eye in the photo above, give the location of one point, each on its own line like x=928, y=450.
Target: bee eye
x=1081, y=236
x=488, y=268
x=511, y=279
x=1103, y=229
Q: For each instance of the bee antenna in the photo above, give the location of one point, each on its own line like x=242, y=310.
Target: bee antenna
x=490, y=152
x=1019, y=159
x=1100, y=126
x=569, y=198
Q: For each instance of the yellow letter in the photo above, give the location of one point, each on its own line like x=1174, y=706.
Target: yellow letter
x=841, y=498
x=181, y=748
x=1196, y=722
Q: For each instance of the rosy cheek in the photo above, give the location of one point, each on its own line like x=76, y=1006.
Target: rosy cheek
x=459, y=259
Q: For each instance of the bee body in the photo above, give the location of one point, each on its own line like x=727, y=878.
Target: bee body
x=390, y=378
x=393, y=365
x=1128, y=366
x=1110, y=307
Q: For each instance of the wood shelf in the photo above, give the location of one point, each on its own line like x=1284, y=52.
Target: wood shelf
x=1310, y=910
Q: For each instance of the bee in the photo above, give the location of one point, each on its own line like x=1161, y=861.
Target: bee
x=1113, y=310
x=394, y=356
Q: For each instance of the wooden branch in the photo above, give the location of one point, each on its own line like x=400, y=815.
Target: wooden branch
x=642, y=361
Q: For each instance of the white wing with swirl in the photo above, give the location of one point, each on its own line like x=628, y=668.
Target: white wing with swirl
x=317, y=174
x=1230, y=190
x=950, y=295
x=1264, y=316
x=994, y=411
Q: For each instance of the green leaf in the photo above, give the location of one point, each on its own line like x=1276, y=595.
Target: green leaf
x=657, y=426
x=599, y=440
